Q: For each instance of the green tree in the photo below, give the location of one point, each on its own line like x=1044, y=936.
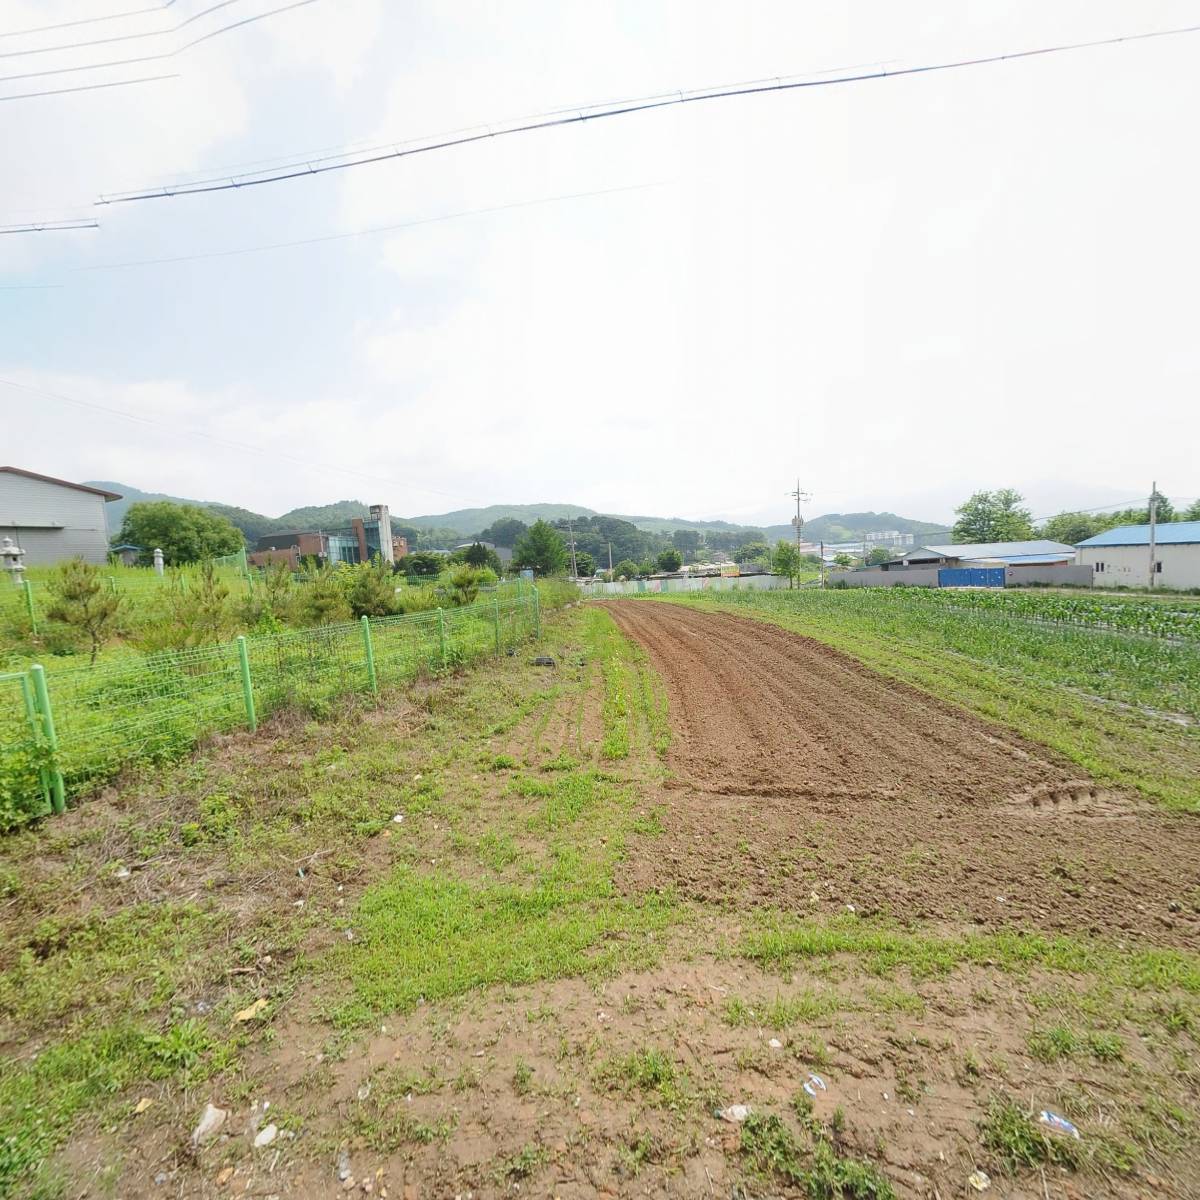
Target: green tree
x=756, y=551
x=843, y=560
x=371, y=592
x=687, y=542
x=541, y=549
x=1071, y=528
x=465, y=582
x=626, y=568
x=81, y=599
x=585, y=564
x=185, y=533
x=1192, y=513
x=423, y=563
x=785, y=560
x=670, y=560
x=323, y=599
x=993, y=517
x=504, y=532
x=648, y=567
x=879, y=554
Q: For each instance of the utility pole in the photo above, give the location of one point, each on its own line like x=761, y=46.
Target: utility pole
x=610, y=558
x=574, y=569
x=1153, y=519
x=798, y=521
x=822, y=567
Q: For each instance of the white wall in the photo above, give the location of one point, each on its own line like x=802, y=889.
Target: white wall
x=1129, y=566
x=50, y=522
x=633, y=587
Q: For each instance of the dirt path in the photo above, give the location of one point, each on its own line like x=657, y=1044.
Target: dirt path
x=810, y=781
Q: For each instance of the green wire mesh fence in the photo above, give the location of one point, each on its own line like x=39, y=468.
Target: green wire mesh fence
x=62, y=734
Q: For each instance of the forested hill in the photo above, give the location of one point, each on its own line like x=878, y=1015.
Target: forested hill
x=462, y=523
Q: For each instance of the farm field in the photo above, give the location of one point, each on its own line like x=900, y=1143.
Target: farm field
x=524, y=929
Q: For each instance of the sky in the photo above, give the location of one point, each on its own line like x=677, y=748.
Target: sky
x=897, y=291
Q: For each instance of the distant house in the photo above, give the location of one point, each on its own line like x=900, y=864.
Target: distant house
x=53, y=519
x=503, y=553
x=1037, y=553
x=367, y=538
x=1121, y=557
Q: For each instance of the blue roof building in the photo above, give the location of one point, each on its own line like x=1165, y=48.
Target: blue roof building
x=1120, y=557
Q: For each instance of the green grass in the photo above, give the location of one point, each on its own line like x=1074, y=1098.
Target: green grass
x=1016, y=1138
x=1084, y=692
x=884, y=948
x=652, y=1073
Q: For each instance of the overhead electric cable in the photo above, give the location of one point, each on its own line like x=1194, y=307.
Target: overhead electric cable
x=355, y=233
x=145, y=58
x=620, y=109
x=122, y=37
x=136, y=12
x=245, y=446
x=91, y=87
x=49, y=226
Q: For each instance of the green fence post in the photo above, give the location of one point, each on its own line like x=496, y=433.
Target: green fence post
x=496, y=616
x=537, y=614
x=58, y=800
x=28, y=586
x=247, y=686
x=442, y=634
x=370, y=649
x=31, y=715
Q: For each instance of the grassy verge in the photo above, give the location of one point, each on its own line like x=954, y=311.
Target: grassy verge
x=1082, y=693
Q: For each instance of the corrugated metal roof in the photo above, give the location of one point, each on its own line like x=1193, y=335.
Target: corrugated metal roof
x=79, y=487
x=1001, y=549
x=1020, y=560
x=1166, y=534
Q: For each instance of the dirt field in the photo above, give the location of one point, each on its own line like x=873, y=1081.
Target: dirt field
x=525, y=930
x=803, y=779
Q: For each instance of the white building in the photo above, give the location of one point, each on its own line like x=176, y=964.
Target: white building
x=51, y=519
x=1121, y=557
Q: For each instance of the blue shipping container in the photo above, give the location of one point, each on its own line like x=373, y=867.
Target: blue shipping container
x=971, y=577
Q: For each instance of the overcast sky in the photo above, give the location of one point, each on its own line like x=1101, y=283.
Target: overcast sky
x=900, y=290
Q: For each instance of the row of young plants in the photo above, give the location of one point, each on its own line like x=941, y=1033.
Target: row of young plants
x=1151, y=618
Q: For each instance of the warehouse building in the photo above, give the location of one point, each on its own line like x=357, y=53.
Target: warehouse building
x=53, y=519
x=1121, y=557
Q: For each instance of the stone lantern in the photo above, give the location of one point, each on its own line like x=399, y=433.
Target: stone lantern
x=10, y=557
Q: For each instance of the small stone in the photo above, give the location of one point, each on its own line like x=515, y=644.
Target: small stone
x=349, y=1184
x=210, y=1124
x=775, y=1044
x=364, y=1091
x=224, y=1176
x=266, y=1136
x=343, y=1165
x=161, y=1178
x=141, y=1106
x=398, y=819
x=122, y=873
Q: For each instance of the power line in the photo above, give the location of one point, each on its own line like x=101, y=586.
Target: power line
x=618, y=109
x=91, y=87
x=49, y=226
x=136, y=12
x=334, y=237
x=274, y=454
x=122, y=37
x=145, y=58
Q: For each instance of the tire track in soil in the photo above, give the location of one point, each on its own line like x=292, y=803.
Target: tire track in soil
x=798, y=772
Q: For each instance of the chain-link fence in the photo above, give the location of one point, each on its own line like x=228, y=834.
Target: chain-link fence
x=65, y=733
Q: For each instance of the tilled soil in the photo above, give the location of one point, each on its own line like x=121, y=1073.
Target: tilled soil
x=804, y=780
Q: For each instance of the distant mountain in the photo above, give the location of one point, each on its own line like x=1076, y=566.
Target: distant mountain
x=466, y=522
x=471, y=520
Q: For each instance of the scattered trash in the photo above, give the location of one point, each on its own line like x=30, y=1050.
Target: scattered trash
x=141, y=1106
x=248, y=1014
x=266, y=1135
x=735, y=1114
x=210, y=1124
x=161, y=1178
x=999, y=899
x=122, y=873
x=398, y=819
x=813, y=897
x=343, y=1164
x=775, y=1044
x=980, y=1180
x=543, y=660
x=812, y=1083
x=1058, y=1124
x=298, y=904
x=364, y=1091
x=851, y=908
x=349, y=935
